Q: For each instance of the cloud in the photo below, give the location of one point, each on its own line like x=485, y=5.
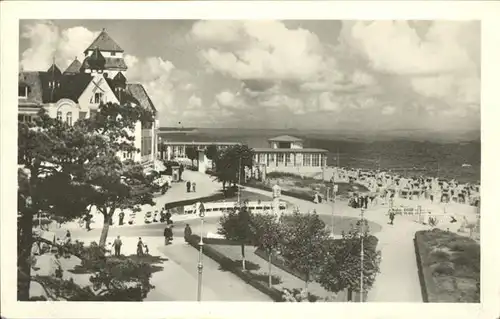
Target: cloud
x=194, y=102
x=47, y=42
x=225, y=98
x=439, y=60
x=388, y=110
x=260, y=50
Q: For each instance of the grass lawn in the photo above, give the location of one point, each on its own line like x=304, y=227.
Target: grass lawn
x=245, y=195
x=450, y=266
x=309, y=186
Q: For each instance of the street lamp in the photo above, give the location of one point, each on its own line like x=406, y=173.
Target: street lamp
x=334, y=195
x=201, y=212
x=361, y=289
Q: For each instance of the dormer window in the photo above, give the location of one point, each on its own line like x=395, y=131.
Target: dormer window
x=23, y=91
x=96, y=98
x=69, y=118
x=59, y=116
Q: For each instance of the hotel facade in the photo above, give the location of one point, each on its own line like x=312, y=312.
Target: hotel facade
x=78, y=91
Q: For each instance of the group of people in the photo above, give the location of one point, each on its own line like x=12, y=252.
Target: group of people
x=190, y=187
x=387, y=185
x=142, y=248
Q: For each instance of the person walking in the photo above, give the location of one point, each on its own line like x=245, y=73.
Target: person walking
x=188, y=186
x=187, y=232
x=121, y=216
x=140, y=246
x=391, y=217
x=194, y=187
x=68, y=237
x=88, y=218
x=168, y=216
x=117, y=244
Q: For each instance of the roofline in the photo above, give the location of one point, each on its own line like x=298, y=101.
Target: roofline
x=289, y=150
x=89, y=49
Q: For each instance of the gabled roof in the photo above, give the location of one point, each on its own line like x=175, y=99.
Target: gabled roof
x=120, y=78
x=54, y=70
x=139, y=93
x=104, y=42
x=71, y=86
x=285, y=138
x=74, y=67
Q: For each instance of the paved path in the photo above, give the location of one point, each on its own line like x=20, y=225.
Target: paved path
x=398, y=279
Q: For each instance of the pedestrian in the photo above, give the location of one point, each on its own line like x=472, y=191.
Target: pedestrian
x=170, y=232
x=88, y=218
x=169, y=218
x=118, y=245
x=121, y=216
x=188, y=186
x=146, y=250
x=187, y=232
x=155, y=217
x=391, y=216
x=366, y=201
x=194, y=187
x=162, y=216
x=140, y=246
x=68, y=237
x=166, y=234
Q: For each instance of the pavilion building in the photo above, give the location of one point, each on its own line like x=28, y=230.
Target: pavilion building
x=287, y=154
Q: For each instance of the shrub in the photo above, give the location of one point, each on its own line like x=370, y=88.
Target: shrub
x=444, y=268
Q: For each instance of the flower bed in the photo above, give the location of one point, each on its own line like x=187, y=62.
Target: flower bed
x=449, y=266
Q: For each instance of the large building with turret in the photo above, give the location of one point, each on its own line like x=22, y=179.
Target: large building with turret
x=78, y=91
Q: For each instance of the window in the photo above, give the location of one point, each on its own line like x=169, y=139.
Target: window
x=96, y=98
x=82, y=115
x=24, y=118
x=23, y=91
x=281, y=158
x=69, y=118
x=307, y=159
x=113, y=53
x=288, y=159
x=59, y=116
x=262, y=158
x=315, y=159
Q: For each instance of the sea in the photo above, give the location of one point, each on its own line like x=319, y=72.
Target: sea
x=448, y=159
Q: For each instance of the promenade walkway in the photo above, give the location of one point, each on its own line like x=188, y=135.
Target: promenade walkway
x=205, y=186
x=398, y=279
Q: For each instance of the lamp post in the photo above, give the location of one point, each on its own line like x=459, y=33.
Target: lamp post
x=201, y=212
x=361, y=288
x=334, y=195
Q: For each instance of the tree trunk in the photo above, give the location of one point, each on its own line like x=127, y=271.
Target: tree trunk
x=25, y=241
x=306, y=284
x=243, y=257
x=105, y=229
x=223, y=185
x=270, y=265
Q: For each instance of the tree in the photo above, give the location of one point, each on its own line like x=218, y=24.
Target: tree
x=266, y=231
x=66, y=170
x=302, y=245
x=342, y=263
x=236, y=225
x=114, y=183
x=212, y=153
x=111, y=278
x=192, y=154
x=230, y=164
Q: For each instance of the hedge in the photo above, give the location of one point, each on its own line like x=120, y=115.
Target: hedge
x=228, y=264
x=186, y=202
x=444, y=257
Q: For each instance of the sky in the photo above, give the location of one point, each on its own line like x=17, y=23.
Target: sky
x=314, y=74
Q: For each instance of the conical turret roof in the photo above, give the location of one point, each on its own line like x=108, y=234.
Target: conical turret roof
x=74, y=67
x=104, y=42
